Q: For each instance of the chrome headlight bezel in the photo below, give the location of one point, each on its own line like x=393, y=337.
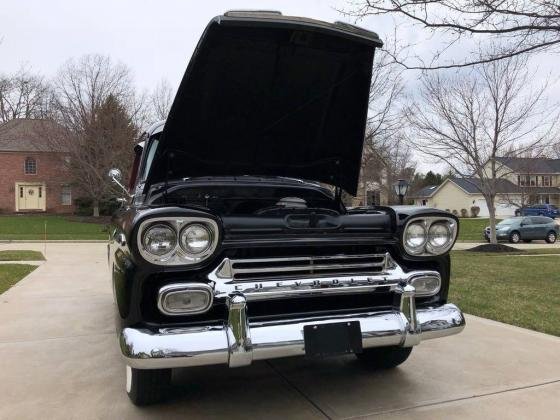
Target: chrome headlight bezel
x=178, y=256
x=428, y=249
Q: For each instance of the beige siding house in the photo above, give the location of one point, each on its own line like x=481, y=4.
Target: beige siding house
x=524, y=181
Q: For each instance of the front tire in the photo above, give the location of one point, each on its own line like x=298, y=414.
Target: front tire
x=514, y=237
x=384, y=357
x=551, y=237
x=147, y=386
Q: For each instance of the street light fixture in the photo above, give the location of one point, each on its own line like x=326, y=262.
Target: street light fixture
x=401, y=187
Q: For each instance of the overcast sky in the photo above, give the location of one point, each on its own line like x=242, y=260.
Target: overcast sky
x=156, y=38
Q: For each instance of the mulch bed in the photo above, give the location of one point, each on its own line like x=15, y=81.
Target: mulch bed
x=493, y=248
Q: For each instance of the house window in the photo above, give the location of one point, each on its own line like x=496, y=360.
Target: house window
x=30, y=166
x=66, y=195
x=533, y=180
x=546, y=181
x=527, y=180
x=424, y=202
x=544, y=199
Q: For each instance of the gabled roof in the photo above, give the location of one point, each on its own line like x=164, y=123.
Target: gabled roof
x=531, y=165
x=425, y=192
x=503, y=186
x=30, y=135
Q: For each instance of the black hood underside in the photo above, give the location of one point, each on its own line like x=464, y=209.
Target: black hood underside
x=272, y=97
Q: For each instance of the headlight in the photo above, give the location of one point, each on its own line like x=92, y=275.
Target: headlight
x=415, y=237
x=159, y=239
x=177, y=240
x=439, y=235
x=196, y=238
x=432, y=235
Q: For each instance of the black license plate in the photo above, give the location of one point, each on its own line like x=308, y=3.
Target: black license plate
x=330, y=339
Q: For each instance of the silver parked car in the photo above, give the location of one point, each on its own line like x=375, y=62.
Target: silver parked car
x=525, y=229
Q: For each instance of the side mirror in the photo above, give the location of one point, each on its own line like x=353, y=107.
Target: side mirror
x=116, y=176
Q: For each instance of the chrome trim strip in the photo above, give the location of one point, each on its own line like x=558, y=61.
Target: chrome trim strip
x=180, y=287
x=210, y=345
x=386, y=280
x=228, y=270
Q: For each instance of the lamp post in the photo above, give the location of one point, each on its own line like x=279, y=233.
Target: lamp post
x=401, y=187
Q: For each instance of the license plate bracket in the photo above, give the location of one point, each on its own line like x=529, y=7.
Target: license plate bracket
x=331, y=339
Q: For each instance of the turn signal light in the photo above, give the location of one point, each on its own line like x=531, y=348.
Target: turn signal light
x=185, y=299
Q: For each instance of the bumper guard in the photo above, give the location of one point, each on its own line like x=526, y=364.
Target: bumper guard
x=239, y=341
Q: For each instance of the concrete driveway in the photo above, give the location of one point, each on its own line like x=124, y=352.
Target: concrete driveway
x=59, y=359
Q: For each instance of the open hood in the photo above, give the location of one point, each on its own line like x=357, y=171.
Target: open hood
x=266, y=94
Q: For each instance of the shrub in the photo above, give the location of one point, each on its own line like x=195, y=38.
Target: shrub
x=84, y=206
x=448, y=211
x=455, y=212
x=464, y=213
x=475, y=210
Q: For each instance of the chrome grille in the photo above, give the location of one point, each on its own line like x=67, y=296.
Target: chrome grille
x=302, y=267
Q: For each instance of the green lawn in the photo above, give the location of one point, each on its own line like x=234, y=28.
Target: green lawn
x=517, y=290
x=471, y=229
x=57, y=227
x=21, y=256
x=10, y=274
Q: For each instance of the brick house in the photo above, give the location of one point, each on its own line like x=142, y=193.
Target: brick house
x=33, y=174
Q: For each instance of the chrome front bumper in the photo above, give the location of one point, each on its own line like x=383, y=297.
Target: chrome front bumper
x=238, y=342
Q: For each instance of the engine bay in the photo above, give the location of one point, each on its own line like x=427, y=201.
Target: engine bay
x=243, y=200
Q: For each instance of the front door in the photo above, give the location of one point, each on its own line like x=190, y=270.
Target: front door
x=31, y=197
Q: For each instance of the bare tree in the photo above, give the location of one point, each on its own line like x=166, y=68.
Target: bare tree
x=23, y=95
x=521, y=26
x=470, y=118
x=386, y=156
x=87, y=91
x=161, y=100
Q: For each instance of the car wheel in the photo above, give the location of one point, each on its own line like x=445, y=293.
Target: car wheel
x=514, y=237
x=384, y=357
x=147, y=386
x=551, y=237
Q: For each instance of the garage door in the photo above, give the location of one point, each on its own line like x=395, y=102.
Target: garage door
x=502, y=210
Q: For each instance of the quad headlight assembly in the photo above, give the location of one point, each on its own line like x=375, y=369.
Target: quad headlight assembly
x=434, y=235
x=177, y=240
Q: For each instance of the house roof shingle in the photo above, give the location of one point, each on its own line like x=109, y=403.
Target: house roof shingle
x=531, y=165
x=424, y=192
x=503, y=186
x=30, y=135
